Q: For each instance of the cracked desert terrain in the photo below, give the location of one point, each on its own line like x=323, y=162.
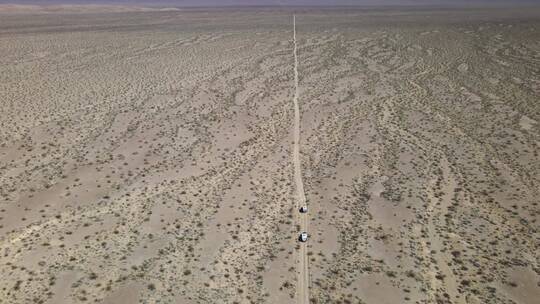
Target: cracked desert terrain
x=147, y=156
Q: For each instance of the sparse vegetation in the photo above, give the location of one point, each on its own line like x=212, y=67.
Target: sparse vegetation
x=153, y=159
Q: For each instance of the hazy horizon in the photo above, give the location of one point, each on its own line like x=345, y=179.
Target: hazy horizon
x=199, y=3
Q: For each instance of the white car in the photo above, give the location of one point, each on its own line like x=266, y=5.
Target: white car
x=303, y=209
x=303, y=237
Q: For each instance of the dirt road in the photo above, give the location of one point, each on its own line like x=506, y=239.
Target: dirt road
x=303, y=270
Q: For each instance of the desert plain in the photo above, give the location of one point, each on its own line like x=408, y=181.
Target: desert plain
x=147, y=156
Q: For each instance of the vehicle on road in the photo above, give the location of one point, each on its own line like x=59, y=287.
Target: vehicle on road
x=303, y=237
x=303, y=209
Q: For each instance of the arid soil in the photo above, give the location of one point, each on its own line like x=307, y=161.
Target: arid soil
x=147, y=157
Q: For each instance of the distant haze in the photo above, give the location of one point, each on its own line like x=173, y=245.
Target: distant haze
x=186, y=3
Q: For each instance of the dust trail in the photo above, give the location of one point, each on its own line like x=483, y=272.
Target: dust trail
x=303, y=271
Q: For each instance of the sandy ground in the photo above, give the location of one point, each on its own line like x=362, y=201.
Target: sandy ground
x=147, y=157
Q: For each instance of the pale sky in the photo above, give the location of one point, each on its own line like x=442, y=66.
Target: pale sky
x=181, y=3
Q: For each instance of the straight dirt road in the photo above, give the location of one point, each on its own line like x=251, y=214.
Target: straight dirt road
x=303, y=270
